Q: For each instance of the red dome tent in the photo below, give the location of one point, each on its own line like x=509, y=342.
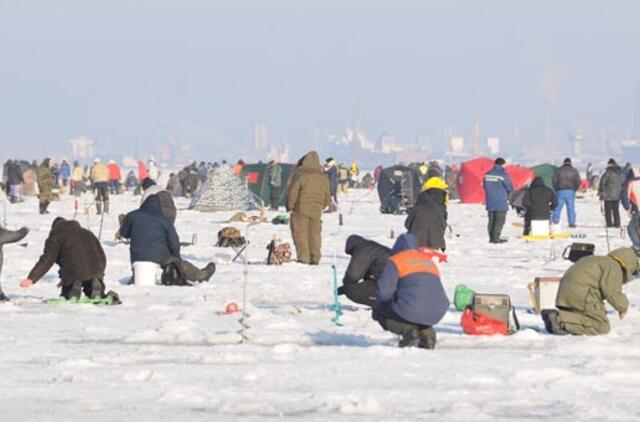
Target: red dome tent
x=472, y=172
x=520, y=176
x=470, y=180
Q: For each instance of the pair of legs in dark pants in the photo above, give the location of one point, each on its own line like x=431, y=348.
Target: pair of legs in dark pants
x=274, y=197
x=102, y=196
x=412, y=334
x=363, y=293
x=93, y=289
x=496, y=223
x=612, y=213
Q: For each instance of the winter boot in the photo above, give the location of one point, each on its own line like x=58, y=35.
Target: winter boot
x=410, y=338
x=73, y=292
x=207, y=272
x=3, y=297
x=94, y=289
x=106, y=207
x=551, y=319
x=10, y=236
x=409, y=332
x=44, y=207
x=98, y=207
x=41, y=205
x=427, y=338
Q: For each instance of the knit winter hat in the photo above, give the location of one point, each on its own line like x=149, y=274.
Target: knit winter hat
x=500, y=161
x=567, y=161
x=611, y=162
x=147, y=183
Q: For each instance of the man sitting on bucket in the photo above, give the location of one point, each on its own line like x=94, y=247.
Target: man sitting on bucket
x=584, y=288
x=410, y=298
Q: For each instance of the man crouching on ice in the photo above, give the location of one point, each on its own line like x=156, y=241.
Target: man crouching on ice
x=81, y=259
x=584, y=288
x=409, y=295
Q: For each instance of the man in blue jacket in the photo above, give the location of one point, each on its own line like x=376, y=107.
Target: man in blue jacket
x=497, y=187
x=410, y=298
x=154, y=239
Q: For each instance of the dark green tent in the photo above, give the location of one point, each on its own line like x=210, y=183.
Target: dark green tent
x=257, y=177
x=545, y=171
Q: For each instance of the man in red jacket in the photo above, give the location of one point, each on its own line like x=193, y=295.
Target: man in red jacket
x=114, y=177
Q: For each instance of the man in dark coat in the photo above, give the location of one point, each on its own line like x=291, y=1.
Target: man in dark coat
x=307, y=196
x=80, y=258
x=368, y=259
x=497, y=187
x=331, y=171
x=275, y=184
x=154, y=239
x=410, y=298
x=566, y=182
x=149, y=187
x=426, y=222
x=14, y=180
x=538, y=201
x=610, y=192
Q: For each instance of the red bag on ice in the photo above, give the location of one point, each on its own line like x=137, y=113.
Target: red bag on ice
x=477, y=324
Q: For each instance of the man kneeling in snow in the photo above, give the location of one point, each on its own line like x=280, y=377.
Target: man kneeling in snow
x=154, y=239
x=368, y=259
x=81, y=259
x=410, y=297
x=584, y=288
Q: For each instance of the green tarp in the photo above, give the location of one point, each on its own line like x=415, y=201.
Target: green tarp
x=257, y=177
x=545, y=171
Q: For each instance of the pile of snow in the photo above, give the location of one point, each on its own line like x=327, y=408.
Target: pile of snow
x=223, y=191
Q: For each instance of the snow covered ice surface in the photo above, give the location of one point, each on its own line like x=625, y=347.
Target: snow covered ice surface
x=165, y=354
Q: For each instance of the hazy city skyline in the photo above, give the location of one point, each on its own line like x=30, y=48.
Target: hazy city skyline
x=206, y=73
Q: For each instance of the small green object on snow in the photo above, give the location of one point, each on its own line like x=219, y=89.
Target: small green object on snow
x=107, y=300
x=463, y=297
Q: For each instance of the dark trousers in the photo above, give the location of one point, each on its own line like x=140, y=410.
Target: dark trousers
x=101, y=190
x=274, y=197
x=92, y=288
x=612, y=213
x=389, y=320
x=496, y=223
x=363, y=293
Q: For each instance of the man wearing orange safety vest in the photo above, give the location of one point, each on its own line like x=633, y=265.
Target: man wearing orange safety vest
x=410, y=298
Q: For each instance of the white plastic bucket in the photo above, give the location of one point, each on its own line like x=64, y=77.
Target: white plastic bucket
x=146, y=273
x=556, y=229
x=540, y=227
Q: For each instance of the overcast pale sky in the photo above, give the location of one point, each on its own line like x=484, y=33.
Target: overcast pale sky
x=205, y=72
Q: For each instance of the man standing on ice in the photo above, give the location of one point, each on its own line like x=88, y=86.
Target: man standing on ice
x=584, y=288
x=409, y=295
x=307, y=196
x=566, y=182
x=497, y=187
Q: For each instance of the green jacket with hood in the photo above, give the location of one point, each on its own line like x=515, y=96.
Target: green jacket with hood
x=594, y=279
x=308, y=194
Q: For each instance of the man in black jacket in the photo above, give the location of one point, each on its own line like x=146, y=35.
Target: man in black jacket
x=80, y=258
x=14, y=180
x=426, y=223
x=610, y=192
x=538, y=202
x=154, y=239
x=566, y=182
x=368, y=258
